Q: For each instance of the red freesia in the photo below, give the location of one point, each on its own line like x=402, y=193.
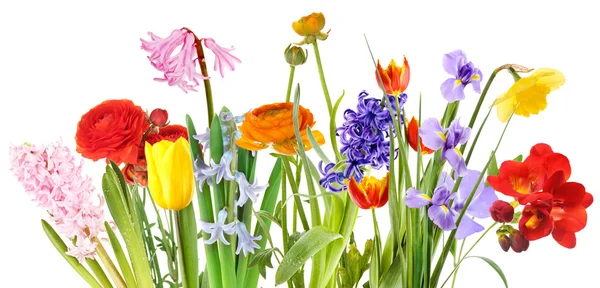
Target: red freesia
x=370, y=192
x=395, y=79
x=112, y=130
x=502, y=212
x=552, y=204
x=413, y=134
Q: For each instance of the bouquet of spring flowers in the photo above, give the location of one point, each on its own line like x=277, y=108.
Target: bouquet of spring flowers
x=173, y=189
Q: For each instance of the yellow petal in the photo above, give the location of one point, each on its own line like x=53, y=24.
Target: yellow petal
x=550, y=78
x=505, y=108
x=182, y=176
x=154, y=183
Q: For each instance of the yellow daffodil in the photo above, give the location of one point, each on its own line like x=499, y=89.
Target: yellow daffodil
x=529, y=93
x=170, y=175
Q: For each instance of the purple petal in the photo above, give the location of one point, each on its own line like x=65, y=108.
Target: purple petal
x=442, y=217
x=416, y=199
x=445, y=179
x=453, y=61
x=453, y=90
x=476, y=81
x=456, y=161
x=466, y=186
x=441, y=196
x=480, y=206
x=432, y=134
x=467, y=227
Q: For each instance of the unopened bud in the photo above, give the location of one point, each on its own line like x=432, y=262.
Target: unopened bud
x=502, y=211
x=159, y=117
x=504, y=242
x=518, y=242
x=295, y=55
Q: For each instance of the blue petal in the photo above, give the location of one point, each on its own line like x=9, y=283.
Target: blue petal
x=442, y=217
x=456, y=161
x=416, y=199
x=452, y=90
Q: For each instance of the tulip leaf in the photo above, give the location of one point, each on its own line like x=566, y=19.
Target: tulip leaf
x=307, y=246
x=494, y=266
x=393, y=276
x=61, y=247
x=121, y=257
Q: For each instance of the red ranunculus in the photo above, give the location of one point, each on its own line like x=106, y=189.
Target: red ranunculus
x=173, y=132
x=112, y=130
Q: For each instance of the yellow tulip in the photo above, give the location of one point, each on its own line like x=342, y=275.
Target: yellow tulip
x=170, y=175
x=529, y=93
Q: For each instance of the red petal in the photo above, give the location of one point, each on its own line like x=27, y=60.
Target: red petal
x=512, y=174
x=555, y=181
x=358, y=194
x=536, y=221
x=384, y=192
x=531, y=198
x=558, y=162
x=569, y=193
x=569, y=218
x=566, y=239
x=541, y=149
x=588, y=199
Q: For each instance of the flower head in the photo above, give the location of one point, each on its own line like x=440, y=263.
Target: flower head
x=412, y=133
x=395, y=79
x=332, y=180
x=170, y=175
x=528, y=94
x=272, y=125
x=223, y=59
x=218, y=229
x=247, y=191
x=310, y=27
x=502, y=211
x=159, y=118
x=463, y=73
x=436, y=137
x=246, y=242
x=221, y=170
x=370, y=193
x=112, y=130
x=204, y=139
x=295, y=55
x=175, y=56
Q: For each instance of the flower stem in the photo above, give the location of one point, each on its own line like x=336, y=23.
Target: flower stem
x=374, y=269
x=288, y=94
x=180, y=250
x=322, y=78
x=207, y=87
x=109, y=265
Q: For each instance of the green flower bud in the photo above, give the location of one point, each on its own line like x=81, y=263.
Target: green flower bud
x=295, y=55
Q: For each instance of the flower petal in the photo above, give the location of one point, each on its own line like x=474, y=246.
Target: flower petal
x=442, y=217
x=467, y=227
x=416, y=199
x=453, y=90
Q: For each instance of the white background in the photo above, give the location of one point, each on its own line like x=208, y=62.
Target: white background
x=61, y=58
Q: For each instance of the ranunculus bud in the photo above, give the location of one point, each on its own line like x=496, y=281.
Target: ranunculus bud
x=159, y=117
x=504, y=242
x=502, y=211
x=295, y=55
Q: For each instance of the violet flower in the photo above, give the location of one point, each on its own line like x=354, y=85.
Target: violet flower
x=218, y=229
x=440, y=212
x=179, y=68
x=247, y=191
x=463, y=73
x=204, y=139
x=221, y=170
x=332, y=180
x=246, y=242
x=201, y=177
x=435, y=137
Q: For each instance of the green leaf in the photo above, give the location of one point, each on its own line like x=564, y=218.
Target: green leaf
x=308, y=245
x=61, y=247
x=121, y=257
x=353, y=264
x=262, y=260
x=315, y=145
x=516, y=217
x=268, y=216
x=298, y=278
x=393, y=276
x=189, y=245
x=493, y=168
x=494, y=266
x=518, y=158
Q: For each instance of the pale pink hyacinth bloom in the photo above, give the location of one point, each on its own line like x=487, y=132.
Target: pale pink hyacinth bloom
x=54, y=179
x=222, y=56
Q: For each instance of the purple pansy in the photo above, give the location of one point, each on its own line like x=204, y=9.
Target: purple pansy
x=463, y=71
x=435, y=137
x=443, y=215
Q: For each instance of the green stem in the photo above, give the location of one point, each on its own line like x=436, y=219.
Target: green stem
x=284, y=221
x=467, y=254
x=440, y=263
x=322, y=78
x=207, y=87
x=297, y=200
x=288, y=94
x=109, y=265
x=462, y=245
x=180, y=251
x=374, y=269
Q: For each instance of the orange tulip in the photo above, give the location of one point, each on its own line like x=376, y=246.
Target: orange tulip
x=395, y=79
x=413, y=134
x=273, y=125
x=370, y=192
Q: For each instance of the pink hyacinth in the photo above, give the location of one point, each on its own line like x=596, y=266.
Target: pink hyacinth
x=176, y=57
x=53, y=177
x=222, y=56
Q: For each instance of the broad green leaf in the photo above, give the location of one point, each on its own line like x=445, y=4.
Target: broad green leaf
x=494, y=266
x=493, y=168
x=61, y=247
x=262, y=260
x=308, y=245
x=121, y=257
x=393, y=276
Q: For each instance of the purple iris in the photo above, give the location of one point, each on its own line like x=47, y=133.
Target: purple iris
x=463, y=71
x=435, y=137
x=445, y=215
x=364, y=134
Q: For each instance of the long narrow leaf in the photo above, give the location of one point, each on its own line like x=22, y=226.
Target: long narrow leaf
x=121, y=257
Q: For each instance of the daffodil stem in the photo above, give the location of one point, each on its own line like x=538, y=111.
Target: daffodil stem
x=435, y=276
x=288, y=94
x=207, y=87
x=109, y=265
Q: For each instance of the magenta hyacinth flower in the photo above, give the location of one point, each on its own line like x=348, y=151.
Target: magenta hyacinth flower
x=176, y=57
x=463, y=73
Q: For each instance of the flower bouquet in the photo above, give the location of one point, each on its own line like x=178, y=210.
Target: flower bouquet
x=175, y=190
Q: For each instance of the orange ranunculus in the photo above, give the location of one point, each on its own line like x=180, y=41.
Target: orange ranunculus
x=273, y=125
x=370, y=193
x=112, y=130
x=412, y=135
x=310, y=25
x=395, y=79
